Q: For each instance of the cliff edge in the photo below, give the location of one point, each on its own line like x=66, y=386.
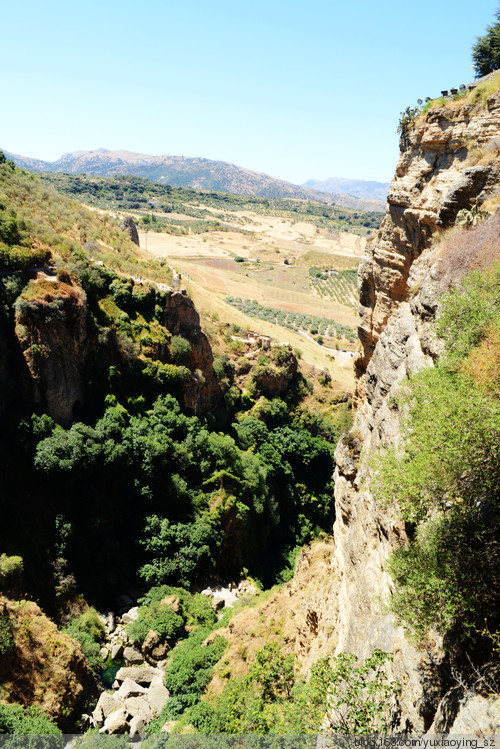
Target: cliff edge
x=449, y=162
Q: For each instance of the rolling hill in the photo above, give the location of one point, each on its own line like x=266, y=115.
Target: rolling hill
x=183, y=171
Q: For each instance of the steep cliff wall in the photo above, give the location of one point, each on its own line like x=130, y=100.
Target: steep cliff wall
x=448, y=162
x=55, y=334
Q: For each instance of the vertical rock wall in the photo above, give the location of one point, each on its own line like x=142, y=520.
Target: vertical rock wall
x=400, y=286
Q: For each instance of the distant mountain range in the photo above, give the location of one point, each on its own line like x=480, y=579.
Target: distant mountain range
x=182, y=171
x=358, y=188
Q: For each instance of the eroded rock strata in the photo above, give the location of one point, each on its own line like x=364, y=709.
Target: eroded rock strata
x=400, y=283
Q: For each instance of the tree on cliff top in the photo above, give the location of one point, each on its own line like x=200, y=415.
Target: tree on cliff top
x=486, y=50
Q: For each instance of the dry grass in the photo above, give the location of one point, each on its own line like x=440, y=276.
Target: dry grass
x=212, y=306
x=476, y=98
x=464, y=250
x=483, y=363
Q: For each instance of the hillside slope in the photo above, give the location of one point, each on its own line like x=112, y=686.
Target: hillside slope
x=183, y=171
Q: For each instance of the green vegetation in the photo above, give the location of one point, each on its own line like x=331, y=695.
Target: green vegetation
x=486, y=50
x=312, y=324
x=10, y=570
x=31, y=720
x=38, y=226
x=355, y=696
x=7, y=642
x=130, y=193
x=445, y=475
x=89, y=631
x=336, y=284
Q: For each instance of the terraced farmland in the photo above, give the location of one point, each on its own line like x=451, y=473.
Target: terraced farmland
x=314, y=325
x=339, y=285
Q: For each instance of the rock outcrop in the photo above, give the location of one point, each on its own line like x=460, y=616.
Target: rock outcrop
x=433, y=181
x=52, y=332
x=129, y=226
x=45, y=667
x=401, y=283
x=201, y=392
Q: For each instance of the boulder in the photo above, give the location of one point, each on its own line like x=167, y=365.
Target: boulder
x=159, y=652
x=137, y=726
x=157, y=696
x=106, y=705
x=131, y=655
x=172, y=601
x=116, y=650
x=139, y=674
x=138, y=707
x=130, y=688
x=151, y=641
x=168, y=726
x=131, y=615
x=116, y=722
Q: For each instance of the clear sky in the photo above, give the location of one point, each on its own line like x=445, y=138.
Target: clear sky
x=298, y=90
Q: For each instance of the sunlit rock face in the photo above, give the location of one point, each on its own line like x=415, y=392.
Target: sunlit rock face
x=446, y=165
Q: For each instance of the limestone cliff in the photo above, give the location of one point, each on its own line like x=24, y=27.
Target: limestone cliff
x=55, y=334
x=201, y=392
x=448, y=162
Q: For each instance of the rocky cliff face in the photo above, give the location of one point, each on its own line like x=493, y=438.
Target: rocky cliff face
x=46, y=667
x=52, y=333
x=202, y=392
x=436, y=177
x=401, y=282
x=54, y=336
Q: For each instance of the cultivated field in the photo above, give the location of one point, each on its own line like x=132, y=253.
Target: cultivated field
x=267, y=259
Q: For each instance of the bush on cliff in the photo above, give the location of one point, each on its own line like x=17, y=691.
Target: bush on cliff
x=348, y=695
x=445, y=474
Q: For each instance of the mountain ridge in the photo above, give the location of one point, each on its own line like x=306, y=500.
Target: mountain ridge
x=185, y=171
x=356, y=188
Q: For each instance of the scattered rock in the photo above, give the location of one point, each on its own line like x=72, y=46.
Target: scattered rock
x=116, y=722
x=131, y=655
x=131, y=615
x=130, y=688
x=137, y=726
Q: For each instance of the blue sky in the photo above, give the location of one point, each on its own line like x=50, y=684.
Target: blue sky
x=294, y=89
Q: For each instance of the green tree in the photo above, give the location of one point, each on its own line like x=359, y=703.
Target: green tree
x=180, y=349
x=486, y=50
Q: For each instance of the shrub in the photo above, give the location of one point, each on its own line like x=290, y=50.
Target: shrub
x=10, y=569
x=445, y=477
x=189, y=672
x=351, y=696
x=180, y=350
x=89, y=631
x=161, y=618
x=7, y=642
x=31, y=720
